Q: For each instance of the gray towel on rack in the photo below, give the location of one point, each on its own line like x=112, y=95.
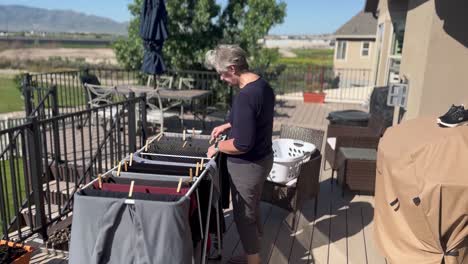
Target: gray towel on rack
x=213, y=174
x=106, y=230
x=147, y=176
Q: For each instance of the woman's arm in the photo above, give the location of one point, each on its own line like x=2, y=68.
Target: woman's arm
x=226, y=146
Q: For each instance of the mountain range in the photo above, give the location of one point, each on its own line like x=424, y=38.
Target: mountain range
x=16, y=18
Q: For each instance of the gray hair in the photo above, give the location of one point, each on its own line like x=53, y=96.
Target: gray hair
x=227, y=55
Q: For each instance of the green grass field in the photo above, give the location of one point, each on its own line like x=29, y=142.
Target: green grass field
x=5, y=166
x=10, y=96
x=319, y=57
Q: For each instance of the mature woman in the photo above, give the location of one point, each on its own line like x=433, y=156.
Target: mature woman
x=249, y=147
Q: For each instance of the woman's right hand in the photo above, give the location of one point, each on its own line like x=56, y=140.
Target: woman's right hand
x=219, y=130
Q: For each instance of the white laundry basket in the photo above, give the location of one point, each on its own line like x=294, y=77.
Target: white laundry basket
x=289, y=154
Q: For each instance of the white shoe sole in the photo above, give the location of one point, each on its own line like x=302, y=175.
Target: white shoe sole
x=452, y=125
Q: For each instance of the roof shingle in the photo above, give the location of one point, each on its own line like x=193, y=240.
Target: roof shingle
x=362, y=24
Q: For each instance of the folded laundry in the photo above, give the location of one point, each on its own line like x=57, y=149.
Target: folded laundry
x=148, y=167
x=136, y=195
x=150, y=176
x=156, y=183
x=141, y=189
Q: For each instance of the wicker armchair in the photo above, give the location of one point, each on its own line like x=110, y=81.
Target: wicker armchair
x=307, y=187
x=352, y=136
x=313, y=136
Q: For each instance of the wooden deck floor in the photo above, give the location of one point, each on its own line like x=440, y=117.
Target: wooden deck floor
x=341, y=232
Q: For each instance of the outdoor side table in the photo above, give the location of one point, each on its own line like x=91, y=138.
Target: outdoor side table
x=357, y=168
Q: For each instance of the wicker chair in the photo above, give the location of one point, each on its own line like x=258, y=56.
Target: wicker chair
x=352, y=136
x=307, y=187
x=310, y=135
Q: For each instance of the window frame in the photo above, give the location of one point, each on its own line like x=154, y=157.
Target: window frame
x=343, y=49
x=368, y=49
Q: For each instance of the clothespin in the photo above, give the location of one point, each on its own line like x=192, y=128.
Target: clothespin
x=146, y=145
x=149, y=141
x=131, y=159
x=130, y=193
x=211, y=141
x=125, y=165
x=179, y=186
x=160, y=136
x=185, y=143
x=119, y=168
x=191, y=174
x=99, y=181
x=193, y=132
x=201, y=164
x=196, y=169
x=183, y=135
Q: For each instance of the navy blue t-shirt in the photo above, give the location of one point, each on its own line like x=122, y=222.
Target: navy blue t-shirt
x=251, y=120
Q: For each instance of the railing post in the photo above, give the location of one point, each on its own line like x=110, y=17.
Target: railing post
x=131, y=124
x=144, y=128
x=53, y=93
x=35, y=164
x=322, y=78
x=55, y=127
x=26, y=87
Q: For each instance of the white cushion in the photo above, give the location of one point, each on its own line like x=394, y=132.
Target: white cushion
x=110, y=112
x=332, y=142
x=155, y=115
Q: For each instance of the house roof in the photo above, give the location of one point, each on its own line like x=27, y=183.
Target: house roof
x=361, y=25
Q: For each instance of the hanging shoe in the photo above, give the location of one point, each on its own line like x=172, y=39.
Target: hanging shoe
x=455, y=116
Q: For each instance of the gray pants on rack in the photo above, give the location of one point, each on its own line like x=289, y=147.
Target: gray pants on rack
x=106, y=230
x=247, y=181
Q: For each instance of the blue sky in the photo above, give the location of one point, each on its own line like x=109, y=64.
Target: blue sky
x=303, y=16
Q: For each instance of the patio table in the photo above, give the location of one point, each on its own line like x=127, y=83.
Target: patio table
x=187, y=95
x=183, y=95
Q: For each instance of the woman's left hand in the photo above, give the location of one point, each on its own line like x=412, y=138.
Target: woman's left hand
x=211, y=151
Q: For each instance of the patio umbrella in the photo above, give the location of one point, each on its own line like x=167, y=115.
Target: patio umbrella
x=153, y=31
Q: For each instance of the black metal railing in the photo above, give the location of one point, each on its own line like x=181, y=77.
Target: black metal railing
x=39, y=102
x=340, y=85
x=46, y=160
x=289, y=81
x=72, y=96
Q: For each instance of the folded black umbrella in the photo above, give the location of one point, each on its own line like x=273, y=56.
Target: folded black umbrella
x=153, y=31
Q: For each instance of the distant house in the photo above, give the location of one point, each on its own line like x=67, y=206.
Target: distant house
x=355, y=42
x=355, y=50
x=423, y=43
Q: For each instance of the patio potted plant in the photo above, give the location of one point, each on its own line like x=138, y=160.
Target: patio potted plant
x=314, y=93
x=14, y=253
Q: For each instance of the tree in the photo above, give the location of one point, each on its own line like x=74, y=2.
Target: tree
x=195, y=26
x=246, y=21
x=192, y=32
x=129, y=51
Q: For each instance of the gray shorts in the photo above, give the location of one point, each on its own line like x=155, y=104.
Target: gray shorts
x=247, y=181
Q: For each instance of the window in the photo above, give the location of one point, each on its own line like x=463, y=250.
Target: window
x=340, y=50
x=398, y=37
x=396, y=51
x=365, y=49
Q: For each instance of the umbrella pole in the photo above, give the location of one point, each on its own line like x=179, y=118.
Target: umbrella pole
x=154, y=83
x=160, y=105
